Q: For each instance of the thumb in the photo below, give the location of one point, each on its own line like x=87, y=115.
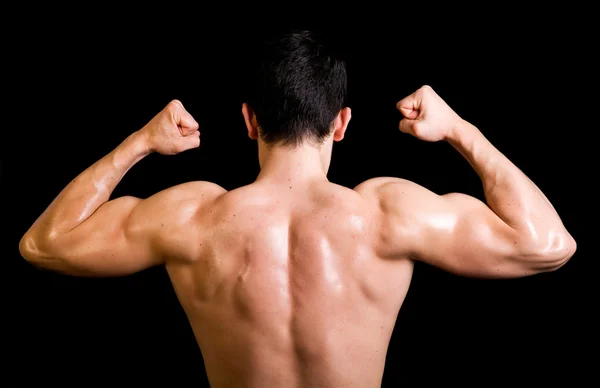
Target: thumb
x=406, y=125
x=409, y=107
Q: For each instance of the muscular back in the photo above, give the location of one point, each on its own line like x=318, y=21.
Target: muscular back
x=286, y=289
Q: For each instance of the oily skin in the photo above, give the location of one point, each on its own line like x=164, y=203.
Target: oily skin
x=294, y=281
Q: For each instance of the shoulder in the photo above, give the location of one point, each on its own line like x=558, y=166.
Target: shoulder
x=384, y=188
x=197, y=187
x=176, y=215
x=197, y=190
x=403, y=209
x=183, y=199
x=400, y=201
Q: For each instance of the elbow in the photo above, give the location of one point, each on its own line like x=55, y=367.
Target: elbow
x=28, y=248
x=34, y=250
x=555, y=254
x=566, y=251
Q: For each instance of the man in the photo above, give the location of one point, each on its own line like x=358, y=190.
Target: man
x=293, y=281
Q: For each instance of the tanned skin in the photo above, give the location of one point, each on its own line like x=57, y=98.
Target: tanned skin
x=294, y=281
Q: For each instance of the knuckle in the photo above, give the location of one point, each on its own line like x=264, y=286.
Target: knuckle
x=426, y=90
x=175, y=104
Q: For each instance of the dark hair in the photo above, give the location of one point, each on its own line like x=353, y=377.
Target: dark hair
x=299, y=86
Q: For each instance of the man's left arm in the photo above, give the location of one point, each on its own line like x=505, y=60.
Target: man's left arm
x=83, y=233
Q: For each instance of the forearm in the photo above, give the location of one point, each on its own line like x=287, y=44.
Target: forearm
x=90, y=189
x=508, y=191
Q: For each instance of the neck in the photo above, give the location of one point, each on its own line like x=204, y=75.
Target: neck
x=285, y=164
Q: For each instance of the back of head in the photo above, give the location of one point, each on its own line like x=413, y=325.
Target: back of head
x=299, y=86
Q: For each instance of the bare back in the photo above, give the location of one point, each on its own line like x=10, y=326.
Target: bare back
x=287, y=289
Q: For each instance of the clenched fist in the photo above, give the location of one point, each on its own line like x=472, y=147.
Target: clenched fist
x=172, y=130
x=427, y=116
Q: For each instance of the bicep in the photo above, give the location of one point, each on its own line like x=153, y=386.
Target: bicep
x=455, y=232
x=118, y=239
x=464, y=236
x=127, y=234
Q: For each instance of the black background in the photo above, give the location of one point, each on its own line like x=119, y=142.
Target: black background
x=84, y=79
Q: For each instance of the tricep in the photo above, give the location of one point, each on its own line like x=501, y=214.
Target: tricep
x=457, y=233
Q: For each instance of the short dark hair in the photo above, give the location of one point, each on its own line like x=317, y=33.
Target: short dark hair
x=299, y=86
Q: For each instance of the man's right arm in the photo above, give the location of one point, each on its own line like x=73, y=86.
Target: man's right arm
x=517, y=233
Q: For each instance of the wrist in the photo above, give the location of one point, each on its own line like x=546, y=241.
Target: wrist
x=140, y=143
x=460, y=132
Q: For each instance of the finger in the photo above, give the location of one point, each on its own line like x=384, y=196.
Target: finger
x=193, y=139
x=184, y=120
x=409, y=106
x=188, y=124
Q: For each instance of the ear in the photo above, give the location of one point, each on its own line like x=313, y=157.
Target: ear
x=250, y=119
x=341, y=123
